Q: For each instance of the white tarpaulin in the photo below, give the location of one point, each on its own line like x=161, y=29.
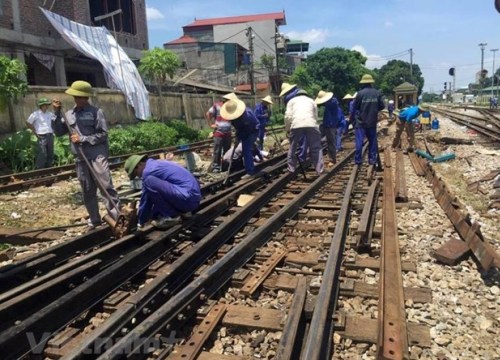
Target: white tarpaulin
x=99, y=44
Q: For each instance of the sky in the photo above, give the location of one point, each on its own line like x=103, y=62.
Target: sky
x=441, y=33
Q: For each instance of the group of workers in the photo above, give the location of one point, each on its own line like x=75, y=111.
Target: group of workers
x=249, y=127
x=168, y=189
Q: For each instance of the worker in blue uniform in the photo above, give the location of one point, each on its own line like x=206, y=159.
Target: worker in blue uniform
x=367, y=104
x=168, y=190
x=341, y=128
x=247, y=129
x=263, y=113
x=405, y=122
x=330, y=121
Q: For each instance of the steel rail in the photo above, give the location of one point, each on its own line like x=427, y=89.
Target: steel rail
x=392, y=340
x=19, y=185
x=163, y=286
x=214, y=277
x=37, y=265
x=480, y=129
x=58, y=173
x=14, y=340
x=319, y=338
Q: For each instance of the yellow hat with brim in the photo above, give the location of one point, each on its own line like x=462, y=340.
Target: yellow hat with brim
x=323, y=97
x=286, y=87
x=268, y=99
x=232, y=109
x=80, y=88
x=367, y=79
x=230, y=96
x=424, y=107
x=348, y=97
x=44, y=101
x=131, y=163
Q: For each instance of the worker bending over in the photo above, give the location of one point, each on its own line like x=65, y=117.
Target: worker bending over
x=405, y=122
x=168, y=190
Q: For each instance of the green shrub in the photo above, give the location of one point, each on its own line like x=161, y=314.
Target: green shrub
x=62, y=151
x=185, y=132
x=277, y=118
x=18, y=151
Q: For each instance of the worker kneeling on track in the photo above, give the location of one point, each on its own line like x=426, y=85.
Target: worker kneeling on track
x=168, y=190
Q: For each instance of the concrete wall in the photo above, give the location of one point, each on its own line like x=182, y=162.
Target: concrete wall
x=188, y=107
x=263, y=41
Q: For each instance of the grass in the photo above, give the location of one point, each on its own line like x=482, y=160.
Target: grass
x=453, y=176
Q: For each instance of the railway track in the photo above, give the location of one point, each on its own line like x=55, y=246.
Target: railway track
x=20, y=181
x=275, y=266
x=487, y=124
x=292, y=232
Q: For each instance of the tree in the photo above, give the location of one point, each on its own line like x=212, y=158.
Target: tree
x=430, y=97
x=156, y=65
x=394, y=73
x=268, y=63
x=12, y=84
x=335, y=69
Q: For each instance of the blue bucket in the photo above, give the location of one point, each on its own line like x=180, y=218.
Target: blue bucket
x=435, y=124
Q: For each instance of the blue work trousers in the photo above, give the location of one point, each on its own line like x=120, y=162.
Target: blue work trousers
x=371, y=134
x=247, y=145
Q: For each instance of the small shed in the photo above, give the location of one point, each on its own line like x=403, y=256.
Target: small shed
x=405, y=94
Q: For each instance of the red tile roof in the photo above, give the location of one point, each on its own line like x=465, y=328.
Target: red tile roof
x=247, y=87
x=184, y=39
x=278, y=16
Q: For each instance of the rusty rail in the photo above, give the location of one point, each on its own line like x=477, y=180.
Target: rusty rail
x=393, y=332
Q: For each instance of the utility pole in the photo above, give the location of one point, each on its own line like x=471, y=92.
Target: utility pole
x=493, y=71
x=411, y=65
x=277, y=37
x=482, y=46
x=250, y=69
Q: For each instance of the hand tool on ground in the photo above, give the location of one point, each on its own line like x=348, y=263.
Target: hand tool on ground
x=125, y=220
x=276, y=137
x=230, y=162
x=301, y=167
x=427, y=147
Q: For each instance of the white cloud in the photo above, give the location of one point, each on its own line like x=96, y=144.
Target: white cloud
x=374, y=61
x=313, y=36
x=388, y=24
x=153, y=14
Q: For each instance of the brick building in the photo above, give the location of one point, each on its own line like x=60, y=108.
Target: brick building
x=219, y=48
x=26, y=34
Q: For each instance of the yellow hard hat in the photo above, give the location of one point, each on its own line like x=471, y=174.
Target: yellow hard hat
x=80, y=88
x=367, y=79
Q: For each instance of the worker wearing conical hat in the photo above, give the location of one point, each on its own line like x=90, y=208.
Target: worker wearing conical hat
x=330, y=121
x=301, y=119
x=245, y=122
x=367, y=104
x=263, y=113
